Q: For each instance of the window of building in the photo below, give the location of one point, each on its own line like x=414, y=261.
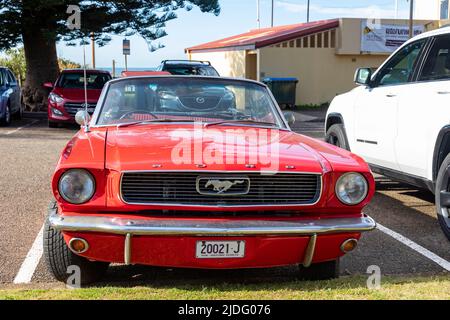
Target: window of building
x=285, y=44
x=333, y=38
x=312, y=41
x=291, y=44
x=326, y=39
x=305, y=42
x=444, y=9
x=298, y=43
x=319, y=40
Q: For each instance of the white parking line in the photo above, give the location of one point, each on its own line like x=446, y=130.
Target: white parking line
x=23, y=127
x=416, y=247
x=31, y=261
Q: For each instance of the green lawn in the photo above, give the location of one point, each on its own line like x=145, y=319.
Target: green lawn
x=437, y=287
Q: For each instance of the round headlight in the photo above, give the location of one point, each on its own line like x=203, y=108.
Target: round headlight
x=352, y=188
x=76, y=186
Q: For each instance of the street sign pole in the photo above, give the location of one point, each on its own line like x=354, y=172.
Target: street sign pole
x=93, y=49
x=126, y=52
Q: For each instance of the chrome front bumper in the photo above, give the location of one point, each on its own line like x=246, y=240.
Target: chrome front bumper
x=171, y=227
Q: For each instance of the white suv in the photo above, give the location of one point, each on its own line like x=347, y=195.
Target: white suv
x=398, y=119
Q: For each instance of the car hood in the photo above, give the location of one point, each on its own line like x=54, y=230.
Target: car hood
x=219, y=148
x=77, y=95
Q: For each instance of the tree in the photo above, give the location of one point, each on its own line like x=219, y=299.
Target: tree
x=39, y=24
x=15, y=60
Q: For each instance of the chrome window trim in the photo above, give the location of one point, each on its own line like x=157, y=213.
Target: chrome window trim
x=181, y=205
x=101, y=100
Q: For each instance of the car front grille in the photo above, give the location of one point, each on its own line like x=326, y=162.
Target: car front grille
x=73, y=108
x=251, y=189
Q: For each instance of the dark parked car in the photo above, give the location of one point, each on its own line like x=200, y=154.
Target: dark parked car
x=188, y=68
x=67, y=96
x=10, y=97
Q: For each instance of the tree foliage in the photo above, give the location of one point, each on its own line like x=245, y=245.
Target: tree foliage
x=146, y=18
x=14, y=59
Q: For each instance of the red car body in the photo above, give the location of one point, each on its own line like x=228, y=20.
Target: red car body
x=165, y=234
x=72, y=99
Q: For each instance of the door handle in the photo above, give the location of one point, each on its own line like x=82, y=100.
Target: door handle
x=443, y=92
x=391, y=95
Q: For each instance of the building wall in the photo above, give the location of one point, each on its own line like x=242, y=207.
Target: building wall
x=227, y=63
x=427, y=9
x=322, y=74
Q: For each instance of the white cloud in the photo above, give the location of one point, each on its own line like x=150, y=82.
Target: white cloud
x=343, y=12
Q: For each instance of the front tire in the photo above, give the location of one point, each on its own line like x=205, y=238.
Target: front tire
x=320, y=271
x=442, y=196
x=6, y=121
x=336, y=136
x=58, y=257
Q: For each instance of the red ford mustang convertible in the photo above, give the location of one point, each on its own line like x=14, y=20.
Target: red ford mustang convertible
x=197, y=172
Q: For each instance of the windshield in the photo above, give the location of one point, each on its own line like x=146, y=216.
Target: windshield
x=192, y=70
x=76, y=80
x=188, y=99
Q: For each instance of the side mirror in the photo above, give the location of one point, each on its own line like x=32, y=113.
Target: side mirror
x=82, y=118
x=290, y=118
x=363, y=76
x=48, y=85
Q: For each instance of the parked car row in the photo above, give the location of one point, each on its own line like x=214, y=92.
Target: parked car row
x=10, y=97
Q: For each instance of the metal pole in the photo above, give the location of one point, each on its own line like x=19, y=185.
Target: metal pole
x=272, y=13
x=411, y=18
x=114, y=68
x=93, y=49
x=258, y=21
x=396, y=9
x=307, y=12
x=126, y=63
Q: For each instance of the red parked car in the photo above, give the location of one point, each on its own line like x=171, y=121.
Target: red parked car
x=201, y=172
x=67, y=95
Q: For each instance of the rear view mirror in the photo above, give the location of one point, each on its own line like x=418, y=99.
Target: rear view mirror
x=48, y=85
x=82, y=118
x=290, y=118
x=363, y=76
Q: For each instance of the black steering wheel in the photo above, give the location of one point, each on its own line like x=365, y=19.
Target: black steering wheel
x=138, y=111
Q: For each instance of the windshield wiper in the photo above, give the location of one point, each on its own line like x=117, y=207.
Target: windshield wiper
x=241, y=121
x=137, y=123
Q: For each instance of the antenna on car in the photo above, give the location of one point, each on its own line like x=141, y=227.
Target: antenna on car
x=86, y=117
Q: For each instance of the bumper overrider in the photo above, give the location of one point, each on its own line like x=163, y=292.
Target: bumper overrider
x=295, y=241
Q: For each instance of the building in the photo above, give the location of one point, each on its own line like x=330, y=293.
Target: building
x=323, y=55
x=431, y=9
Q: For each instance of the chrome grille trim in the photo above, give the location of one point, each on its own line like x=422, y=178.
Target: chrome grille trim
x=73, y=108
x=190, y=197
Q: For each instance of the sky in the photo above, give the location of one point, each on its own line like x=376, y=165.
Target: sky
x=237, y=16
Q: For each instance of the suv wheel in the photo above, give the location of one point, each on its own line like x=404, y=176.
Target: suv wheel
x=336, y=136
x=442, y=194
x=6, y=121
x=58, y=257
x=320, y=271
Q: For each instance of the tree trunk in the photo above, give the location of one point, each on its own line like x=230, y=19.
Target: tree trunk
x=42, y=66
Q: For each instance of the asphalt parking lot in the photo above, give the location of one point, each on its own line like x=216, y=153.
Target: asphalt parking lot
x=409, y=242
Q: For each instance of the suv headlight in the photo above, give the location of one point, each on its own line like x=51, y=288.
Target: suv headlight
x=352, y=188
x=55, y=98
x=76, y=186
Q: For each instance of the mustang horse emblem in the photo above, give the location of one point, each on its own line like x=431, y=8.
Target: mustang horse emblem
x=222, y=186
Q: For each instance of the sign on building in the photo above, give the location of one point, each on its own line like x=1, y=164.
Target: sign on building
x=385, y=38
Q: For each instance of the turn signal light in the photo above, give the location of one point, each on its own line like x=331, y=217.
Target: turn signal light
x=78, y=245
x=349, y=245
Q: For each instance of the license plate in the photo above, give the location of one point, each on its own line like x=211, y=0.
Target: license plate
x=220, y=249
